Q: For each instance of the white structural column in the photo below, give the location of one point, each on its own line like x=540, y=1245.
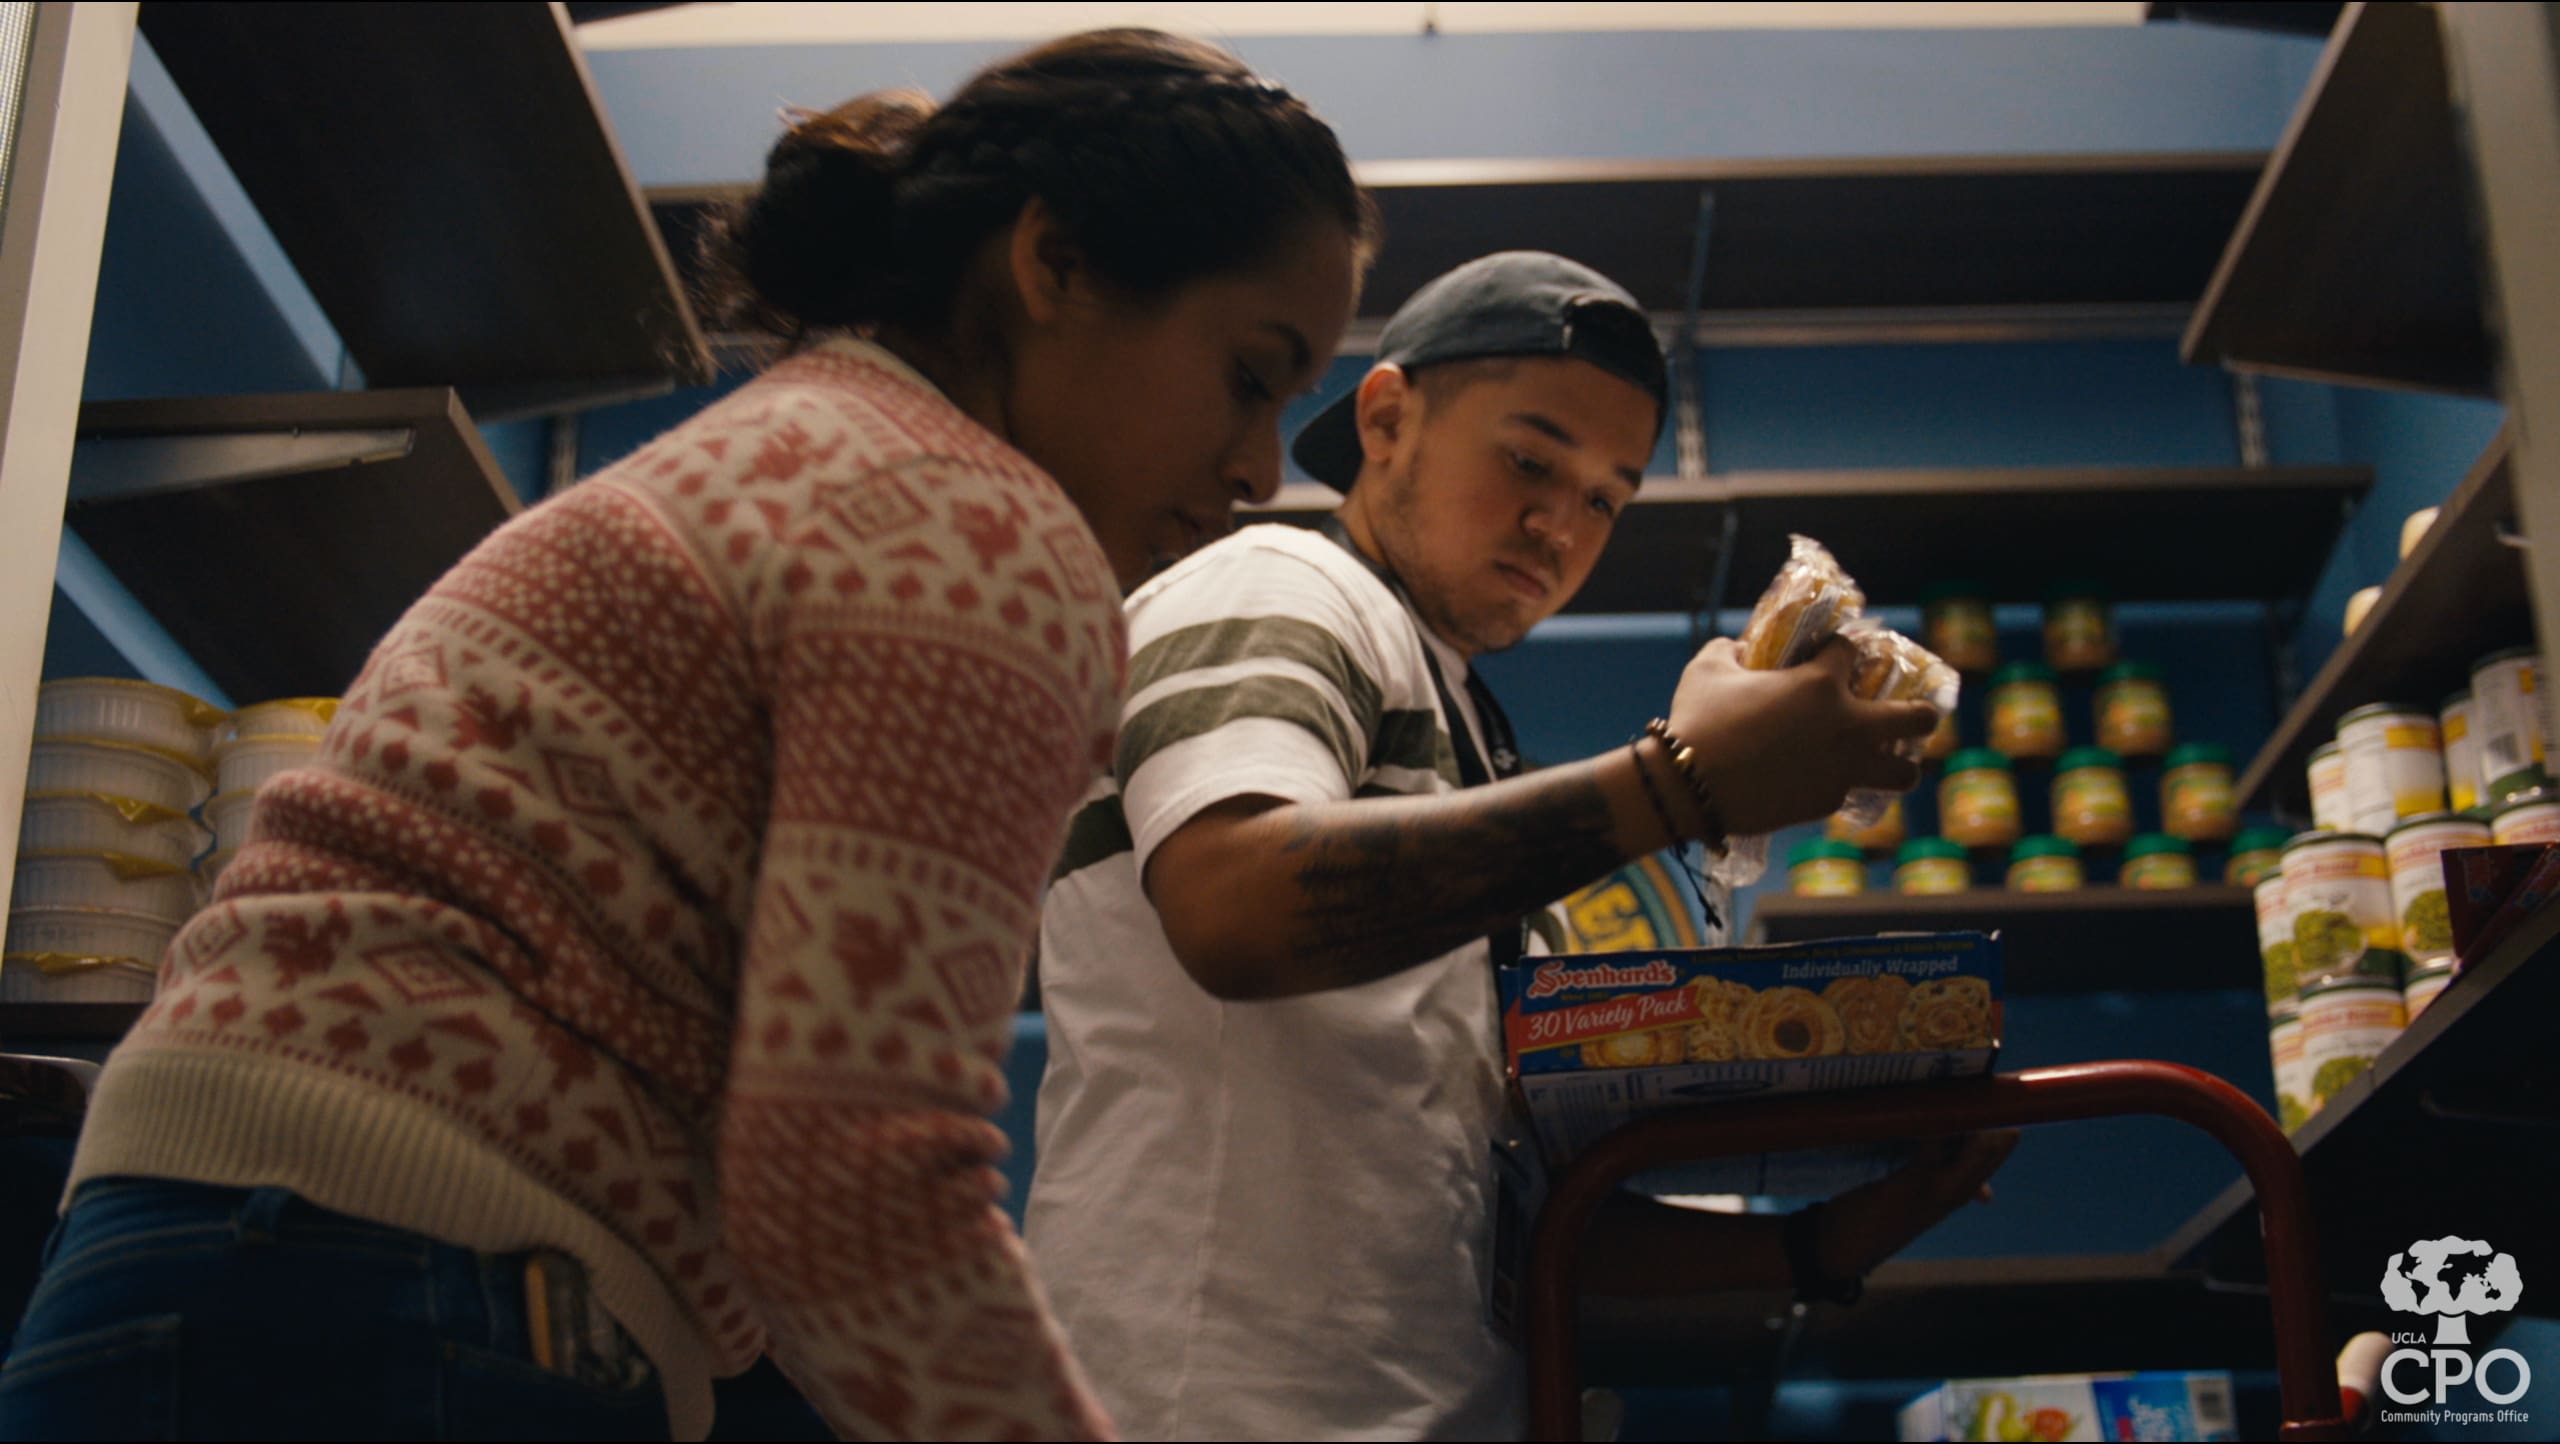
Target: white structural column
x=51, y=230
x=2505, y=60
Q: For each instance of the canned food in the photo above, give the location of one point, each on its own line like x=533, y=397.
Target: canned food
x=2156, y=860
x=1956, y=621
x=2461, y=753
x=2045, y=864
x=2275, y=944
x=2078, y=635
x=2395, y=765
x=2293, y=1079
x=1931, y=865
x=2414, y=850
x=2133, y=710
x=2506, y=718
x=1820, y=867
x=2256, y=854
x=2090, y=805
x=2197, y=801
x=2425, y=985
x=2026, y=712
x=2345, y=1026
x=2329, y=788
x=1978, y=800
x=2527, y=819
x=2337, y=891
x=1880, y=837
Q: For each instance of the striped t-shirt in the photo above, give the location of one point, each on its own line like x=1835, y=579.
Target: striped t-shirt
x=1267, y=1219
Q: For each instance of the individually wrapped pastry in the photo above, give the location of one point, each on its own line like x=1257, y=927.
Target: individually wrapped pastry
x=1810, y=601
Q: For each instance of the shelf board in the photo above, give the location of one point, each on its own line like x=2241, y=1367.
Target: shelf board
x=2449, y=1131
x=280, y=585
x=24, y=1023
x=2160, y=533
x=2096, y=940
x=443, y=178
x=2459, y=596
x=2354, y=261
x=2289, y=17
x=2205, y=533
x=1953, y=245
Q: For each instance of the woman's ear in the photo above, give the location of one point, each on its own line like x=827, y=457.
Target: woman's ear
x=1388, y=408
x=1044, y=263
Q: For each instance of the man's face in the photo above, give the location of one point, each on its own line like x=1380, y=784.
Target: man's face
x=1491, y=488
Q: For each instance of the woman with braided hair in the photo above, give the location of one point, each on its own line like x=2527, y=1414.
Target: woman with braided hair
x=620, y=993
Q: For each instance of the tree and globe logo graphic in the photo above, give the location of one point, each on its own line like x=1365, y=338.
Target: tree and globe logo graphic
x=2452, y=1278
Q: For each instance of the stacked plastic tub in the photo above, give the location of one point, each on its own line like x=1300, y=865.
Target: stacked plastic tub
x=108, y=842
x=256, y=743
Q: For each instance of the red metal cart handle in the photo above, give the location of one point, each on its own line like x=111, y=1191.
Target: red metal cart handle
x=1874, y=1115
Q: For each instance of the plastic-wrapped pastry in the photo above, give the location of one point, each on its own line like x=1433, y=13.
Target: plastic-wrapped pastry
x=1809, y=600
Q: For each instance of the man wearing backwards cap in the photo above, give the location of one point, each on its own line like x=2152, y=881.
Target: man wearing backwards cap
x=1263, y=1203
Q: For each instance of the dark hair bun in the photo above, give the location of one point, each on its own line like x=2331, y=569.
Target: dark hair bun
x=817, y=241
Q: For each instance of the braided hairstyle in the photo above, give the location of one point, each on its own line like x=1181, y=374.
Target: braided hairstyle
x=1166, y=160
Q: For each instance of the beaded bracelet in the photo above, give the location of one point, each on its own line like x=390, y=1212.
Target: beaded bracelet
x=1684, y=762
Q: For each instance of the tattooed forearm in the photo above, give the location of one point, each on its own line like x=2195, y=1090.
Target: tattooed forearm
x=1384, y=884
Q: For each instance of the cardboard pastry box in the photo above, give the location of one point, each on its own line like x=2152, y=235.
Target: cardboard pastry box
x=1597, y=1039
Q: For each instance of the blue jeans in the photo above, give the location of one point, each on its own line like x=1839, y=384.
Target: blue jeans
x=175, y=1310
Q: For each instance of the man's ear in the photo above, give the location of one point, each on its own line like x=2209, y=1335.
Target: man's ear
x=1388, y=409
x=1043, y=262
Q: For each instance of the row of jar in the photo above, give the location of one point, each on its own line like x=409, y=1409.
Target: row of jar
x=1829, y=867
x=1956, y=622
x=2482, y=747
x=136, y=796
x=2092, y=801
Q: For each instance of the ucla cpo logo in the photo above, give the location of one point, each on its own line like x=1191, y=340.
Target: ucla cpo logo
x=2452, y=1279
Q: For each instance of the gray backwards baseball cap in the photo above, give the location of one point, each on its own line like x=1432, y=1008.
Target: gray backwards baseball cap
x=1511, y=303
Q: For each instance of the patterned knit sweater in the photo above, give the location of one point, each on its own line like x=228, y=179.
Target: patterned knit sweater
x=661, y=894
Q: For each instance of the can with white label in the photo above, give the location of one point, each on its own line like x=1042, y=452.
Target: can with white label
x=2293, y=1078
x=2528, y=819
x=2345, y=1026
x=2337, y=893
x=2275, y=944
x=2395, y=765
x=2461, y=752
x=2414, y=850
x=2507, y=722
x=2329, y=788
x=2425, y=985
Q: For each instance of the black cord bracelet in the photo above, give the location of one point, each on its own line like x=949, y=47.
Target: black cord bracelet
x=1802, y=1235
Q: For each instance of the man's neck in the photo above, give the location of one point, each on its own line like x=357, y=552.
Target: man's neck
x=1356, y=525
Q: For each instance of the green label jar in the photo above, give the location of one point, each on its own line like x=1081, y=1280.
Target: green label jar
x=2293, y=1075
x=2275, y=944
x=2045, y=864
x=2256, y=854
x=2026, y=712
x=1820, y=867
x=2345, y=1026
x=2090, y=805
x=2133, y=710
x=1978, y=800
x=2158, y=861
x=2078, y=636
x=1956, y=621
x=2196, y=797
x=1931, y=866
